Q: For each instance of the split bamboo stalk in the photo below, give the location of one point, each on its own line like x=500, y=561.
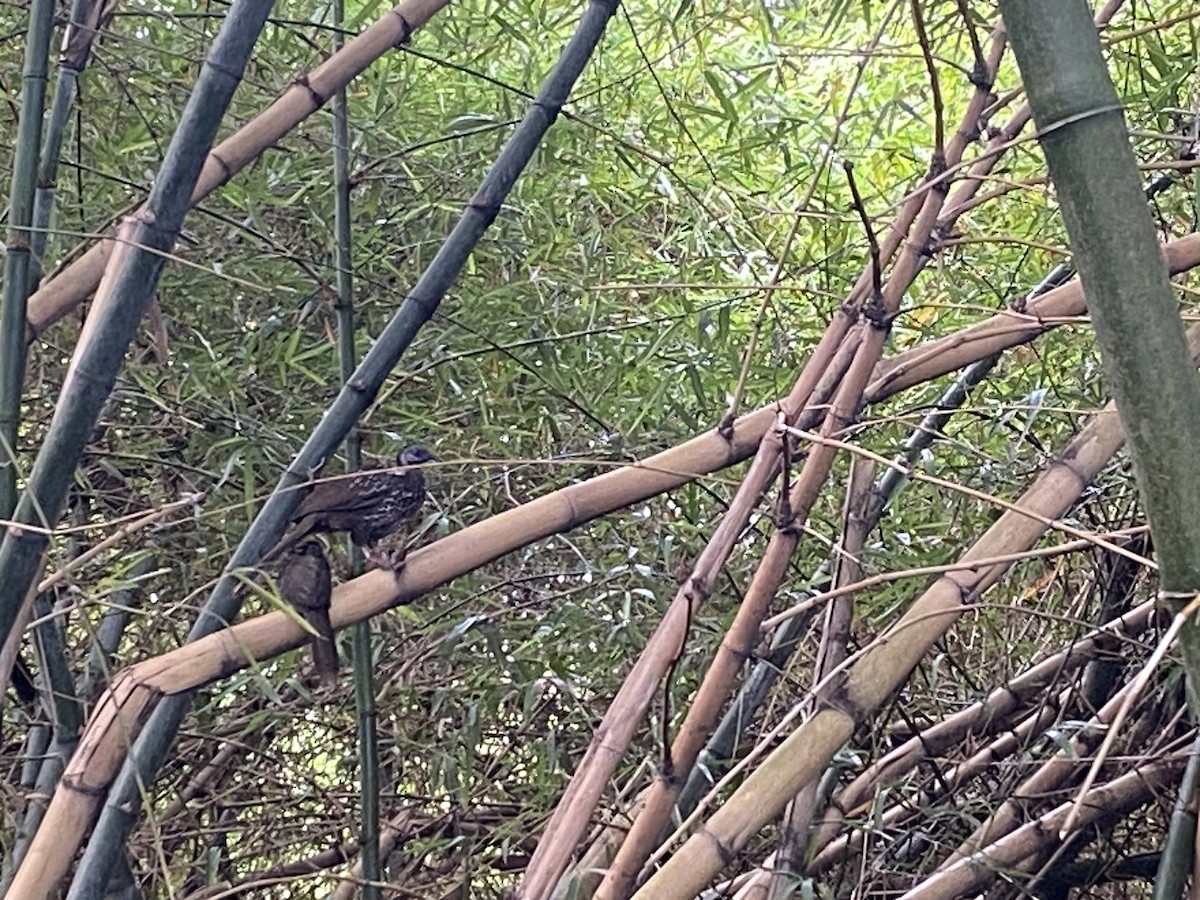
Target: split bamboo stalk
x=1114, y=798
x=308, y=92
x=980, y=718
x=885, y=665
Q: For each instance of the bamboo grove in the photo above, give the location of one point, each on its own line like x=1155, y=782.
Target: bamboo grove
x=717, y=597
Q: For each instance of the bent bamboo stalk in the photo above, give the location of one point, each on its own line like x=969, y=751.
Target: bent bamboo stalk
x=309, y=91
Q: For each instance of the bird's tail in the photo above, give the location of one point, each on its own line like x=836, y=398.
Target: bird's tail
x=324, y=646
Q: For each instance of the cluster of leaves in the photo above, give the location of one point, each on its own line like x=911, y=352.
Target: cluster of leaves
x=603, y=317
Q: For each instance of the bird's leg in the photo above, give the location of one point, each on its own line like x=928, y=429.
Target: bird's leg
x=389, y=553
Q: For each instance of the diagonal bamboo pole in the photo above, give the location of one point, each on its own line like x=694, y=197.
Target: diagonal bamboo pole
x=706, y=707
x=120, y=713
x=308, y=92
x=1117, y=797
x=884, y=666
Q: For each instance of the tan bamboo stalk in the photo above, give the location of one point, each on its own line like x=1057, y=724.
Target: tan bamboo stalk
x=702, y=715
x=308, y=92
x=832, y=653
x=805, y=753
x=753, y=885
x=980, y=718
x=1049, y=777
x=1003, y=330
x=983, y=760
x=119, y=712
x=574, y=810
x=1115, y=798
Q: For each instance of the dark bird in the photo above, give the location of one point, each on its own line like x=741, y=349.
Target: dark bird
x=370, y=505
x=305, y=582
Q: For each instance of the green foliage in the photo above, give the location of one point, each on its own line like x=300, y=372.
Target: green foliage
x=602, y=318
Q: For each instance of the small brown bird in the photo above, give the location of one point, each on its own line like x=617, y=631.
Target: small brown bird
x=305, y=582
x=370, y=505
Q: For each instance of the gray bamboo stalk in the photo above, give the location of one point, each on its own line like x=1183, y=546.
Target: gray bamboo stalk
x=18, y=252
x=1176, y=862
x=149, y=751
x=1083, y=134
x=364, y=672
x=85, y=18
x=128, y=284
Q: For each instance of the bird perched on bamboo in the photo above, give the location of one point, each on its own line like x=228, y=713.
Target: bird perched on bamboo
x=370, y=505
x=306, y=583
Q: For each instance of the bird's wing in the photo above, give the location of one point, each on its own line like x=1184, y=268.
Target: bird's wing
x=345, y=495
x=302, y=528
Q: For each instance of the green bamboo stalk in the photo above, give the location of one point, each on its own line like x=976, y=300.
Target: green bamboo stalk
x=17, y=257
x=364, y=680
x=1178, y=853
x=149, y=751
x=1083, y=134
x=81, y=33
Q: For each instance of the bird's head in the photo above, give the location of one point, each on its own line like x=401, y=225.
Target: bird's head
x=309, y=548
x=414, y=456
